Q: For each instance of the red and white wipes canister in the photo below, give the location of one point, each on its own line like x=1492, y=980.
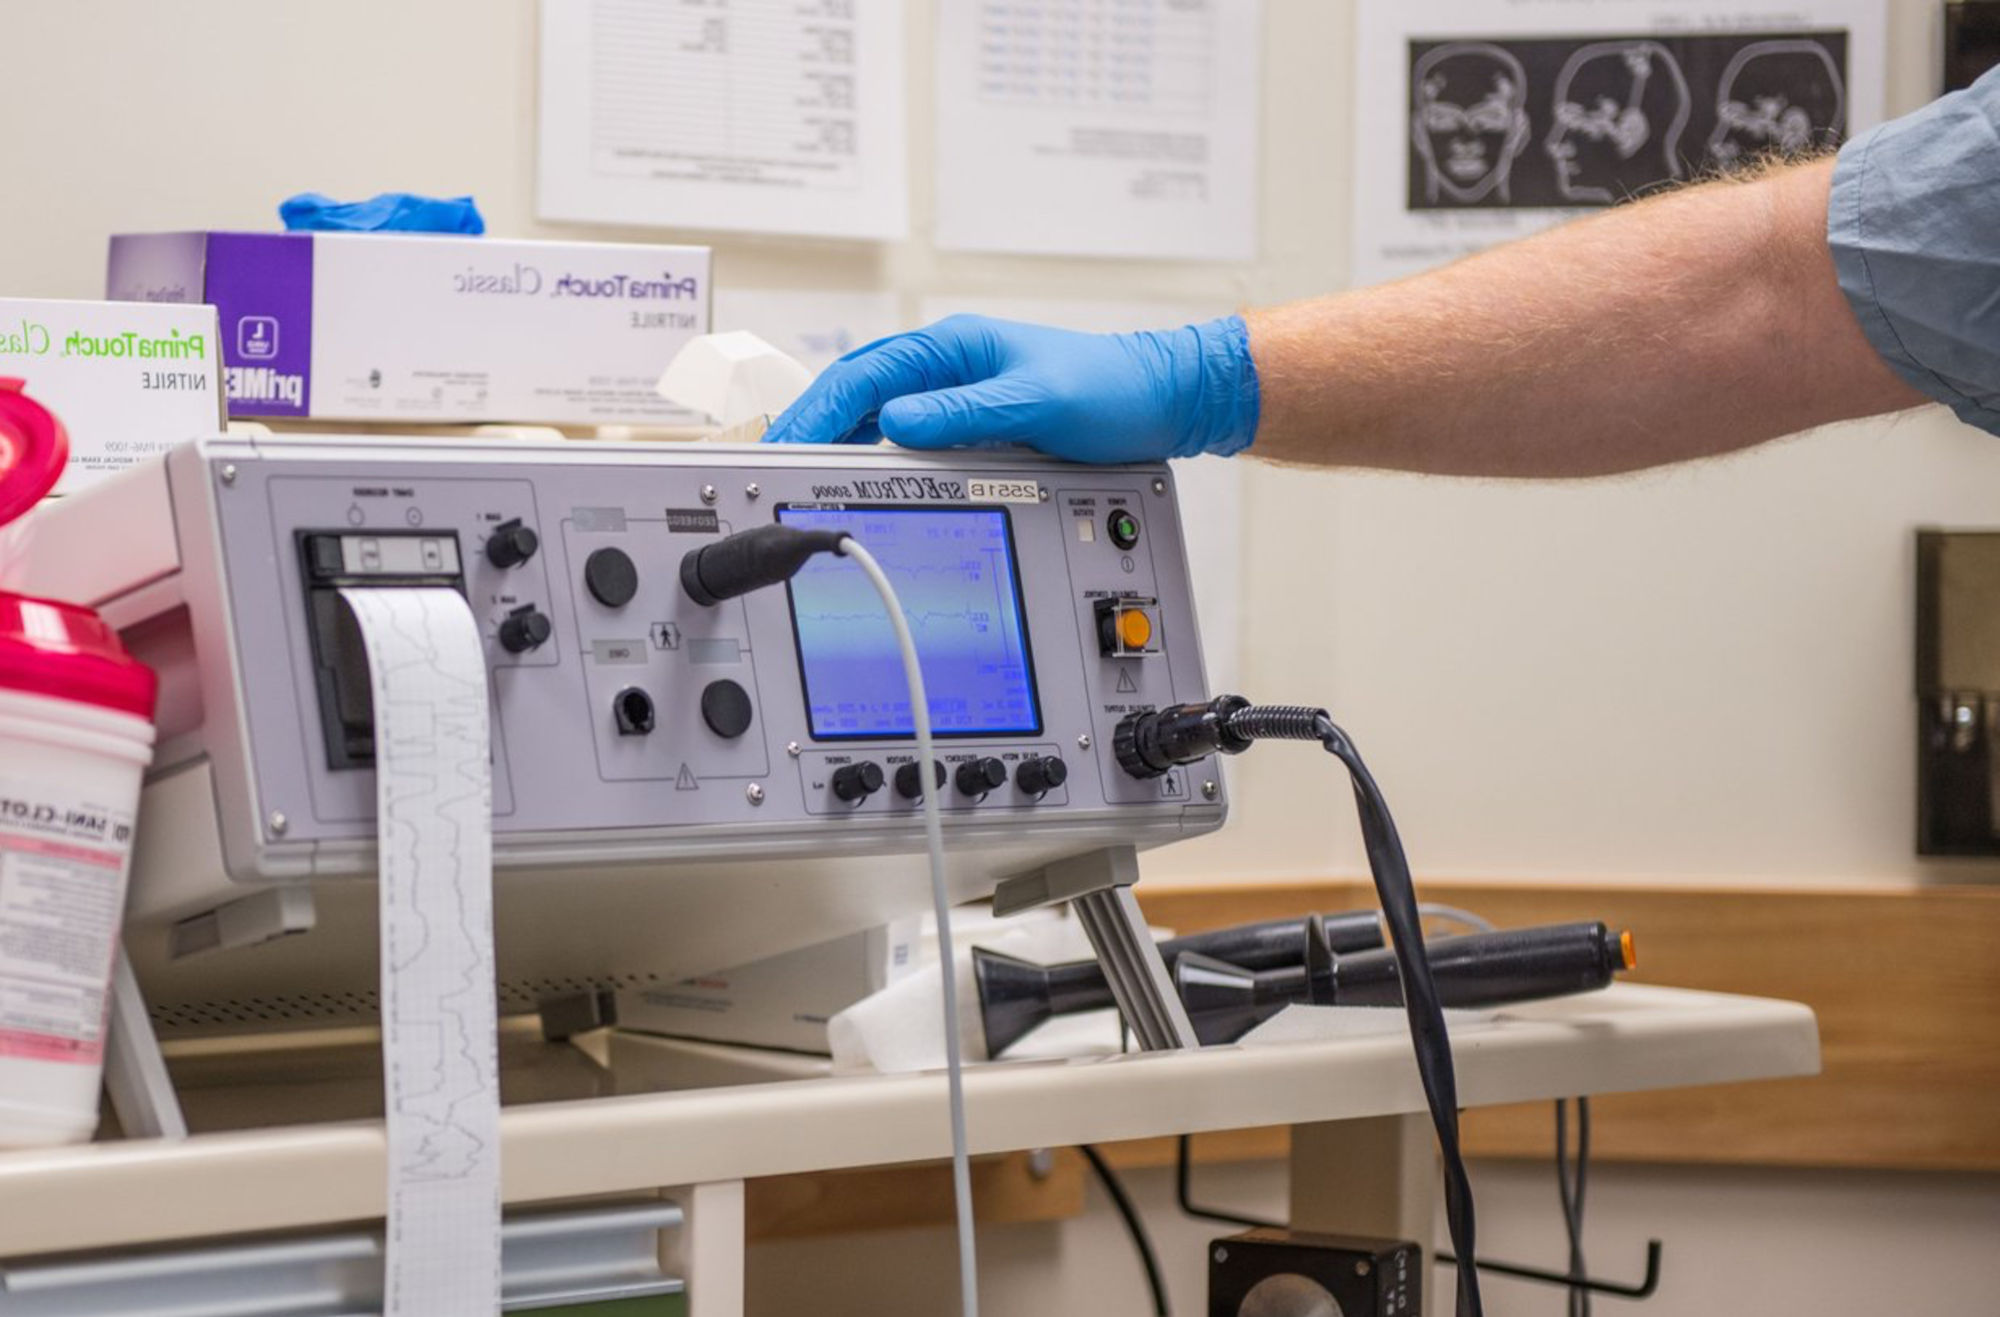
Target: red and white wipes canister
x=76, y=735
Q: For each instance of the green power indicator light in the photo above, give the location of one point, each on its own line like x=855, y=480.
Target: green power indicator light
x=1124, y=529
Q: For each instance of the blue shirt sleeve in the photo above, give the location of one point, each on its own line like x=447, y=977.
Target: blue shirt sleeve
x=1914, y=224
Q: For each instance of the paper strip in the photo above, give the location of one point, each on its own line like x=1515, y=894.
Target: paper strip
x=434, y=827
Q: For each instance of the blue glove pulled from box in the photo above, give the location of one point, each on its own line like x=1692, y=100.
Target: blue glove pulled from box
x=392, y=212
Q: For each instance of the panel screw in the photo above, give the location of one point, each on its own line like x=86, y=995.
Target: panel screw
x=229, y=473
x=1222, y=1255
x=280, y=825
x=1159, y=485
x=708, y=494
x=1042, y=494
x=754, y=793
x=1083, y=742
x=792, y=749
x=753, y=490
x=1362, y=1268
x=1041, y=1163
x=1208, y=790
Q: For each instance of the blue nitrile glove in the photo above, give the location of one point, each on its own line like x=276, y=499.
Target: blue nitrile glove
x=970, y=380
x=392, y=212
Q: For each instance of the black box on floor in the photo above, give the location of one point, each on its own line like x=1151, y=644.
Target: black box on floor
x=1290, y=1273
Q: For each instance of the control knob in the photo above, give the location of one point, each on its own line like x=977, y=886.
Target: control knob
x=526, y=628
x=1041, y=774
x=511, y=544
x=857, y=782
x=979, y=776
x=910, y=780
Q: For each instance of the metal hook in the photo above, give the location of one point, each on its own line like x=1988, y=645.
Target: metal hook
x=1643, y=1290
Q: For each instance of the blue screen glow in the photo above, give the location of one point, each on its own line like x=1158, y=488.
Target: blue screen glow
x=954, y=571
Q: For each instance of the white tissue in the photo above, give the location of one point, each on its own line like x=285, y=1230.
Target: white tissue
x=732, y=378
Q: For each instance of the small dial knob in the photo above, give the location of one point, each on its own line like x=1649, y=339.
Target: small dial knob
x=980, y=776
x=526, y=628
x=511, y=544
x=853, y=782
x=611, y=577
x=910, y=780
x=1042, y=774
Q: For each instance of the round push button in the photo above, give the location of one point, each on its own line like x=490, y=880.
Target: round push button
x=1135, y=629
x=611, y=577
x=725, y=707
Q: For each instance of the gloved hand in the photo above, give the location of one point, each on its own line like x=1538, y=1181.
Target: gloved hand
x=970, y=380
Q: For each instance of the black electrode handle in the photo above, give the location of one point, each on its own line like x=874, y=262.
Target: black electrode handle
x=1017, y=995
x=1488, y=969
x=1479, y=969
x=1265, y=945
x=750, y=560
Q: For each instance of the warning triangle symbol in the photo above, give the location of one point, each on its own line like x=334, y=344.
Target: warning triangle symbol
x=686, y=781
x=1125, y=683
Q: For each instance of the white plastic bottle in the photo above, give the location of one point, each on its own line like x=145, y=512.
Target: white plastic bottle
x=75, y=738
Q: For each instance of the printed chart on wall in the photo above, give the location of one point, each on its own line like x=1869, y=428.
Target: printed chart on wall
x=768, y=116
x=1484, y=120
x=1098, y=127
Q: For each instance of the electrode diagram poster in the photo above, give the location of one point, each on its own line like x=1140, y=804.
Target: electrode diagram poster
x=1485, y=120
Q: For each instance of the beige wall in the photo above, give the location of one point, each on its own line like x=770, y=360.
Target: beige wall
x=1699, y=673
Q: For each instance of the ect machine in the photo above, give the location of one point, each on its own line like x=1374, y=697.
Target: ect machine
x=680, y=783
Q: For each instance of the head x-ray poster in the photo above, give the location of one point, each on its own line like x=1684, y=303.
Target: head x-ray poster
x=1485, y=120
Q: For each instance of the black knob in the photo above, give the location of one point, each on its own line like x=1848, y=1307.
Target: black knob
x=511, y=544
x=526, y=628
x=857, y=781
x=1038, y=775
x=910, y=781
x=980, y=776
x=612, y=578
x=725, y=707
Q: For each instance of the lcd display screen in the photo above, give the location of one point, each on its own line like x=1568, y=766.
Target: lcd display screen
x=954, y=570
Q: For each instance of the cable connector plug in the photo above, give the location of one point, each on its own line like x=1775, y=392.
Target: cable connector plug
x=1148, y=744
x=750, y=560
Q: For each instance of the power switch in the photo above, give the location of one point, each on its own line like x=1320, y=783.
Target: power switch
x=1123, y=528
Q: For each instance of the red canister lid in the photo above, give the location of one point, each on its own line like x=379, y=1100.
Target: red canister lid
x=33, y=448
x=61, y=650
x=48, y=647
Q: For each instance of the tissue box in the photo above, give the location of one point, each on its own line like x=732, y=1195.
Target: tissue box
x=429, y=328
x=125, y=380
x=784, y=1001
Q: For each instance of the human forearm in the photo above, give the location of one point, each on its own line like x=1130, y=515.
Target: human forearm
x=1684, y=326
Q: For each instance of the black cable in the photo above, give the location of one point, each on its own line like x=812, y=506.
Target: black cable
x=1390, y=869
x=1133, y=1226
x=1571, y=1190
x=1184, y=1192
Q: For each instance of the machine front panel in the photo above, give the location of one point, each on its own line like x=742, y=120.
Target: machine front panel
x=1048, y=600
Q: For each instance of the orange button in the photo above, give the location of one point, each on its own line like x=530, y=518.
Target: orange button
x=1135, y=629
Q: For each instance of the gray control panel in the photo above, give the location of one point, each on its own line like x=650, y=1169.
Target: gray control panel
x=1048, y=601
